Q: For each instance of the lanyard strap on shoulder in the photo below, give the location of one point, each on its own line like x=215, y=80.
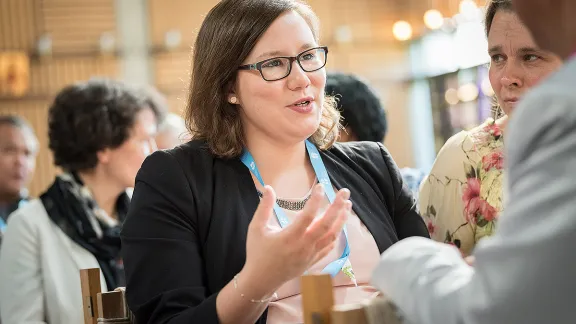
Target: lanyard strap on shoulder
x=2, y=225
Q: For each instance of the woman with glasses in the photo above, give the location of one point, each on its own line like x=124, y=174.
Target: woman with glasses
x=207, y=239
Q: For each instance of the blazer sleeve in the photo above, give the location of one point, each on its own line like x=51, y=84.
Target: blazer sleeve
x=21, y=290
x=161, y=250
x=407, y=220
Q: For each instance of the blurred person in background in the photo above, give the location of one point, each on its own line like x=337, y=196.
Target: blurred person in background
x=462, y=196
x=364, y=117
x=172, y=127
x=172, y=132
x=156, y=101
x=18, y=150
x=100, y=132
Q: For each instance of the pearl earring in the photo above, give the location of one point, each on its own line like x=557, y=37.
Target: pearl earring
x=233, y=100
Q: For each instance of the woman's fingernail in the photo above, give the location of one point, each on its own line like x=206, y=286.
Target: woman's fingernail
x=345, y=193
x=265, y=191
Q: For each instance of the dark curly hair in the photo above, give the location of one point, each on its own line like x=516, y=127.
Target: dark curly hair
x=88, y=117
x=359, y=105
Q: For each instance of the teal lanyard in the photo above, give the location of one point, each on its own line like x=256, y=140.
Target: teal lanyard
x=322, y=175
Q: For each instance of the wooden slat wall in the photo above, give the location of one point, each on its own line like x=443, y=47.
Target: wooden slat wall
x=171, y=69
x=50, y=75
x=75, y=27
x=19, y=24
x=172, y=77
x=183, y=15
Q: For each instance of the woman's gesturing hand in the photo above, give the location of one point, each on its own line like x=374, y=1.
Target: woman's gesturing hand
x=274, y=256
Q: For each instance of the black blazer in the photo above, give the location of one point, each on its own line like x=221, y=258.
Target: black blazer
x=185, y=235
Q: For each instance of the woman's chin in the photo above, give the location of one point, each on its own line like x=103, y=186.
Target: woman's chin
x=310, y=129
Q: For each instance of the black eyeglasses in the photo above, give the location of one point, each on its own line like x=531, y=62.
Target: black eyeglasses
x=278, y=68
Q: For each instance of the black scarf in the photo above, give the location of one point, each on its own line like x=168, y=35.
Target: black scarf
x=71, y=207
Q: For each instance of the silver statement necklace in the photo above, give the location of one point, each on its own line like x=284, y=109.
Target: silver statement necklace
x=294, y=205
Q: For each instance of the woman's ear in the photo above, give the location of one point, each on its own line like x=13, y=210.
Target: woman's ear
x=232, y=96
x=233, y=99
x=103, y=156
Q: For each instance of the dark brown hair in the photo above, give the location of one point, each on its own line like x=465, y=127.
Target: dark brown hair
x=227, y=36
x=493, y=7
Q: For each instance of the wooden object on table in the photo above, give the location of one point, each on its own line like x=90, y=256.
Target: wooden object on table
x=381, y=310
x=377, y=310
x=349, y=314
x=113, y=308
x=317, y=298
x=90, y=283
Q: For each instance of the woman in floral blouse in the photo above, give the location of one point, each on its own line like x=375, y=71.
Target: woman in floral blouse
x=462, y=196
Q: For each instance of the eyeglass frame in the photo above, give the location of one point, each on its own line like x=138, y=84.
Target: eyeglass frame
x=258, y=65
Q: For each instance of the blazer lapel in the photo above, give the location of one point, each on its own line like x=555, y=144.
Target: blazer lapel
x=361, y=195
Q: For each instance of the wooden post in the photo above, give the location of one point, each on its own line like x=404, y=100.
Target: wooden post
x=90, y=282
x=317, y=298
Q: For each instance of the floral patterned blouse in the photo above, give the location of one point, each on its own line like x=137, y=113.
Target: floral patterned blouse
x=461, y=198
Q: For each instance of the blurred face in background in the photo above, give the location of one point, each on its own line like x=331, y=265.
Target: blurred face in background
x=121, y=164
x=172, y=132
x=18, y=150
x=167, y=139
x=517, y=63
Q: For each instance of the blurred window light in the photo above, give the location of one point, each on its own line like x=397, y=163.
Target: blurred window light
x=451, y=96
x=402, y=30
x=471, y=45
x=343, y=34
x=468, y=92
x=433, y=19
x=486, y=87
x=469, y=10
